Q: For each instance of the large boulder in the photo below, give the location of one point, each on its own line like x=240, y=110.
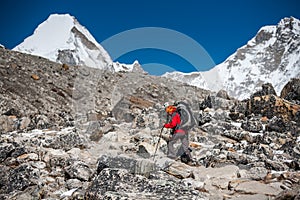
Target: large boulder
x=18, y=178
x=291, y=91
x=134, y=166
x=120, y=184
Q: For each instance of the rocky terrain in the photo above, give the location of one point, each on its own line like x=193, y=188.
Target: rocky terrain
x=70, y=132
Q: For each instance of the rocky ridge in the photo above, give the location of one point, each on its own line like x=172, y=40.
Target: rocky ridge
x=69, y=132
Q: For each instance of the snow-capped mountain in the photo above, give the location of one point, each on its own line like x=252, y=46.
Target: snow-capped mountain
x=61, y=38
x=272, y=56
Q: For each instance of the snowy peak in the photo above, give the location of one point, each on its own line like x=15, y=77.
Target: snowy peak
x=289, y=26
x=62, y=39
x=121, y=67
x=286, y=31
x=272, y=56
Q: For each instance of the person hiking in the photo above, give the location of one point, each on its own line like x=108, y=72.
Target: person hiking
x=176, y=134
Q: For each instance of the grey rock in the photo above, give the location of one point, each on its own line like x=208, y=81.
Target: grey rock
x=8, y=123
x=5, y=150
x=256, y=173
x=20, y=178
x=119, y=183
x=204, y=118
x=250, y=197
x=66, y=140
x=254, y=187
x=24, y=123
x=73, y=183
x=293, y=193
x=212, y=101
x=134, y=166
x=79, y=170
x=252, y=125
x=291, y=91
x=223, y=94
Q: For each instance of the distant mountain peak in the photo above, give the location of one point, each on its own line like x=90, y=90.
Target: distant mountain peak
x=61, y=38
x=272, y=56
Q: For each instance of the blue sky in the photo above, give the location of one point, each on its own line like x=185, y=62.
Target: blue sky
x=219, y=27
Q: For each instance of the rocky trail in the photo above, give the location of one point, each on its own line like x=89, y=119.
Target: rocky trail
x=80, y=133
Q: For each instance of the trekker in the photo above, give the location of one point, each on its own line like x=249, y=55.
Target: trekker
x=176, y=134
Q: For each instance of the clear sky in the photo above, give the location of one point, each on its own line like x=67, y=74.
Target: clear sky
x=219, y=27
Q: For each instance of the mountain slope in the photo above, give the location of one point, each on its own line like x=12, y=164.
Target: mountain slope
x=94, y=131
x=272, y=56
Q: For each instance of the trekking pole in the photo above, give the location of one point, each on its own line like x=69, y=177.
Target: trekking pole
x=158, y=143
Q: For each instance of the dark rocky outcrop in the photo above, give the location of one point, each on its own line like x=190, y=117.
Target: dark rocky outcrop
x=267, y=89
x=291, y=91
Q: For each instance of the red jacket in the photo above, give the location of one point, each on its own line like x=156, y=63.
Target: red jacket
x=175, y=123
